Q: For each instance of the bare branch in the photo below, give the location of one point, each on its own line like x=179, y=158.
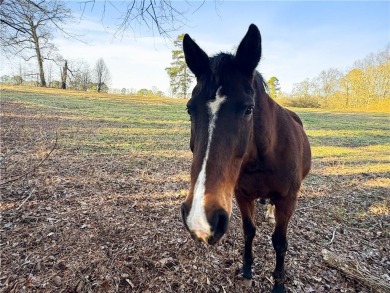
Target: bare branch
x=160, y=15
x=26, y=199
x=22, y=30
x=355, y=271
x=35, y=167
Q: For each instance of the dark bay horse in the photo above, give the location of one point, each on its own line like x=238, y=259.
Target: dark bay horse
x=243, y=143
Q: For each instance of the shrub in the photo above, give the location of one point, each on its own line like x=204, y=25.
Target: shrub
x=303, y=102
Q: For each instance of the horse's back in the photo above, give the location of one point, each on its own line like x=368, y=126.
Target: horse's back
x=294, y=116
x=302, y=149
x=291, y=154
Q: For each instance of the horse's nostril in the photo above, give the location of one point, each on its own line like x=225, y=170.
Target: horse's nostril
x=219, y=223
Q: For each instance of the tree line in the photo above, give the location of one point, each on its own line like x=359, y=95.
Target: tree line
x=26, y=31
x=73, y=74
x=365, y=85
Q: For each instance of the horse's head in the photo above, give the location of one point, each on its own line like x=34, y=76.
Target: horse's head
x=221, y=111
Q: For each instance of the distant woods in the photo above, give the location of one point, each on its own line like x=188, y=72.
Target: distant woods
x=366, y=85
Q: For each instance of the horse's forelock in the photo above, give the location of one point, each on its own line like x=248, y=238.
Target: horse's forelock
x=222, y=65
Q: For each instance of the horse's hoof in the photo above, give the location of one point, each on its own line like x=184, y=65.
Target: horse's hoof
x=247, y=274
x=279, y=288
x=247, y=282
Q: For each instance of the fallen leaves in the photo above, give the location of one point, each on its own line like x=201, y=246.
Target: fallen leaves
x=101, y=222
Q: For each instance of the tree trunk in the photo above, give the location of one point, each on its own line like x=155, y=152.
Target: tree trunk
x=39, y=56
x=64, y=75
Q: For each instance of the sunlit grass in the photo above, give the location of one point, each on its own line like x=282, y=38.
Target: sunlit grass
x=345, y=143
x=374, y=153
x=330, y=152
x=381, y=208
x=378, y=182
x=342, y=142
x=350, y=169
x=90, y=95
x=141, y=131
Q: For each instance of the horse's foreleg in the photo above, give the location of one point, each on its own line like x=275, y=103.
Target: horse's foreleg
x=247, y=208
x=284, y=208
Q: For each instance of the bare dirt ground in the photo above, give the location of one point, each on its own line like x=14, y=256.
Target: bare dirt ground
x=97, y=222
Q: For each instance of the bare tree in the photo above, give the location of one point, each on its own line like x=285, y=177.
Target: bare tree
x=163, y=16
x=102, y=75
x=26, y=29
x=302, y=89
x=328, y=81
x=49, y=72
x=80, y=78
x=85, y=78
x=64, y=74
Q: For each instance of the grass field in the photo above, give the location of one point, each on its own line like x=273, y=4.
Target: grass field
x=101, y=213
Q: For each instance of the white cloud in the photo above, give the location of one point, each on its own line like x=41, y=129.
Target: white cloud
x=133, y=62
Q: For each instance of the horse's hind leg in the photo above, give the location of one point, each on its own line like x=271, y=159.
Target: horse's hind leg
x=284, y=208
x=247, y=208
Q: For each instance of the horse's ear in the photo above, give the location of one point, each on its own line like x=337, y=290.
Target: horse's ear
x=249, y=51
x=196, y=59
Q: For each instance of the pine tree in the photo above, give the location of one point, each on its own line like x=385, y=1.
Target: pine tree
x=179, y=74
x=273, y=87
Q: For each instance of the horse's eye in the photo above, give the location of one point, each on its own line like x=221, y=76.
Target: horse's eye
x=248, y=111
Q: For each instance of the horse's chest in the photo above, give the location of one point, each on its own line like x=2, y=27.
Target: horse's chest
x=255, y=184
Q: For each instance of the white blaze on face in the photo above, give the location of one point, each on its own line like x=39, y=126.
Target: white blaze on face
x=197, y=221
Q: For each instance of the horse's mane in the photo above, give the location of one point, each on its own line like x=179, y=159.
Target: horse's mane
x=265, y=85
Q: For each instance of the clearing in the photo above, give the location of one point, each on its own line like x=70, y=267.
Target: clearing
x=101, y=213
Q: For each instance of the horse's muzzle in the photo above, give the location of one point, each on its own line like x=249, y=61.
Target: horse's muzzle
x=219, y=222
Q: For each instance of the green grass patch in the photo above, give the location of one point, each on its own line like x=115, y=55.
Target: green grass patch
x=342, y=142
x=348, y=143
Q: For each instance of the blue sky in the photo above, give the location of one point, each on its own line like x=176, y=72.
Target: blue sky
x=299, y=38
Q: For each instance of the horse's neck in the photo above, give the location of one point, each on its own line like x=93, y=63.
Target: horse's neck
x=264, y=127
x=266, y=124
x=262, y=98
x=267, y=107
